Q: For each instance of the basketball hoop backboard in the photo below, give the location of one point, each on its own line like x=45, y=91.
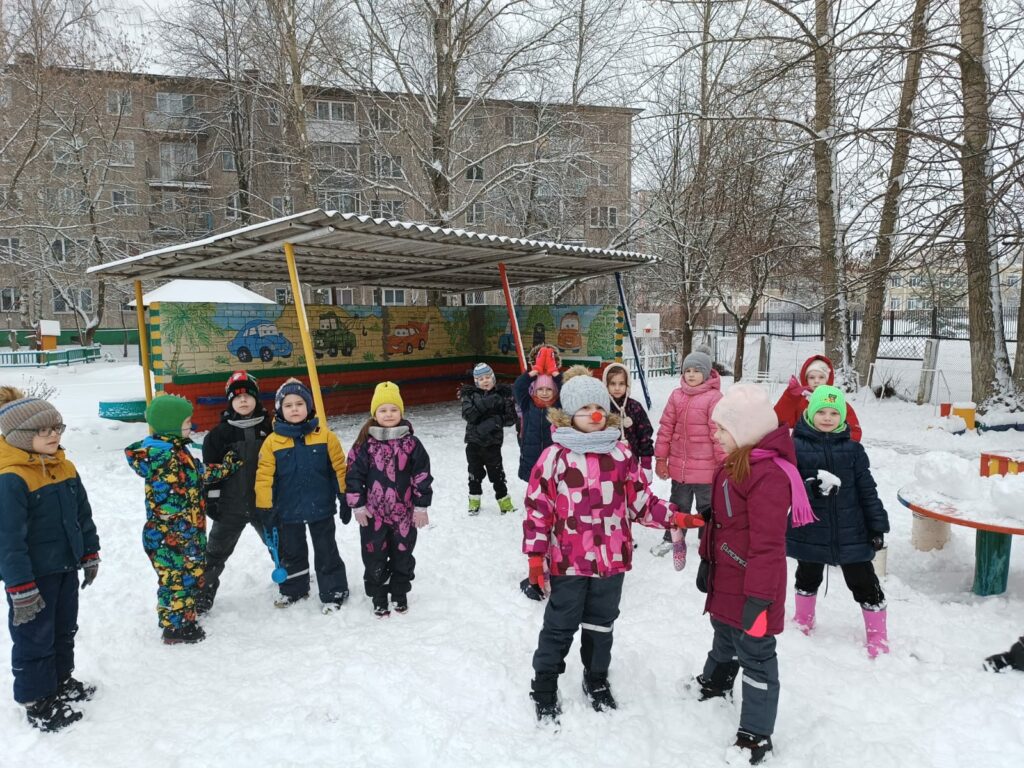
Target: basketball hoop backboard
x=648, y=325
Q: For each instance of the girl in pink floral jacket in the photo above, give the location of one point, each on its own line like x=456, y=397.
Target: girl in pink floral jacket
x=584, y=492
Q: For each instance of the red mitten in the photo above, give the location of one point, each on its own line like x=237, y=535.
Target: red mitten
x=795, y=388
x=537, y=571
x=686, y=520
x=546, y=362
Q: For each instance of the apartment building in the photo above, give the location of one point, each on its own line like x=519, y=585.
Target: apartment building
x=98, y=165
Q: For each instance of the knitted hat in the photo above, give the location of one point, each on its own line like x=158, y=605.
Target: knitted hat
x=482, y=369
x=817, y=365
x=746, y=413
x=386, y=393
x=294, y=387
x=541, y=381
x=826, y=396
x=700, y=361
x=21, y=416
x=580, y=389
x=166, y=414
x=240, y=382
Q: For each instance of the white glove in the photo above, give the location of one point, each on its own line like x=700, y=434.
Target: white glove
x=420, y=518
x=829, y=482
x=362, y=516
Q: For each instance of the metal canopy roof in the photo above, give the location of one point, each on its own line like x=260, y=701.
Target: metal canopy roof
x=335, y=248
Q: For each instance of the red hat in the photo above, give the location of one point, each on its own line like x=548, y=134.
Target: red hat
x=241, y=381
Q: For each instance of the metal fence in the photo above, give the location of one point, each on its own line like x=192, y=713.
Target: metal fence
x=658, y=364
x=43, y=358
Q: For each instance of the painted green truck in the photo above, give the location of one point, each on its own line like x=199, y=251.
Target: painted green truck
x=333, y=336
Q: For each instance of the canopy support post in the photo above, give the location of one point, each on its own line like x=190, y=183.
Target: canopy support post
x=513, y=324
x=307, y=342
x=140, y=317
x=641, y=374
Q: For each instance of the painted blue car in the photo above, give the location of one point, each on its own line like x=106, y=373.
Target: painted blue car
x=259, y=337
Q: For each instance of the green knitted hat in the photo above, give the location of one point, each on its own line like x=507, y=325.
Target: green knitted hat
x=166, y=413
x=826, y=396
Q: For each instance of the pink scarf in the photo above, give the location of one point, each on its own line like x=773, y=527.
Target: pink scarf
x=801, y=505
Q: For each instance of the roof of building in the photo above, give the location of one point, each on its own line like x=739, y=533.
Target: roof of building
x=333, y=248
x=202, y=292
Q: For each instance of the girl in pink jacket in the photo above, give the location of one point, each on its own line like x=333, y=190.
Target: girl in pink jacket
x=585, y=491
x=686, y=450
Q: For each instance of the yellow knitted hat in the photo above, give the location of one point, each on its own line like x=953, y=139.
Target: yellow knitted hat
x=386, y=393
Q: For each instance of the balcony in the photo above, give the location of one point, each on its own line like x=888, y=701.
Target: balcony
x=180, y=225
x=332, y=131
x=169, y=122
x=168, y=176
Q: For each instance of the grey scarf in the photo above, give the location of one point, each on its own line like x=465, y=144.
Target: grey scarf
x=388, y=433
x=252, y=421
x=586, y=442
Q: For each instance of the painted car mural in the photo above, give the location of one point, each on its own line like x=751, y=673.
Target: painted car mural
x=332, y=336
x=569, y=337
x=407, y=337
x=258, y=337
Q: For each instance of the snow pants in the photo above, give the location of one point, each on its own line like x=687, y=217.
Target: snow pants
x=224, y=534
x=684, y=494
x=43, y=650
x=485, y=461
x=579, y=602
x=389, y=565
x=177, y=551
x=757, y=657
x=331, y=577
x=860, y=578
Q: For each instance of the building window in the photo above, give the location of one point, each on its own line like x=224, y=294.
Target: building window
x=384, y=119
x=336, y=156
x=122, y=154
x=895, y=281
x=273, y=114
x=387, y=209
x=9, y=247
x=178, y=161
x=917, y=303
x=475, y=213
x=511, y=216
x=895, y=303
x=63, y=249
x=124, y=202
x=175, y=103
x=344, y=296
x=232, y=207
x=82, y=298
x=387, y=166
x=474, y=173
x=334, y=111
x=341, y=200
x=119, y=102
x=283, y=295
x=517, y=127
x=604, y=217
x=10, y=299
x=65, y=200
x=227, y=161
x=65, y=152
x=474, y=298
x=916, y=281
x=477, y=127
x=389, y=297
x=605, y=133
x=281, y=205
x=604, y=175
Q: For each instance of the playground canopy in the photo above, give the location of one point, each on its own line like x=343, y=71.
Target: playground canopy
x=202, y=291
x=348, y=249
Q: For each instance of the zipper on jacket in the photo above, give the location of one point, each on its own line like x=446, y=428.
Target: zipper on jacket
x=833, y=499
x=728, y=503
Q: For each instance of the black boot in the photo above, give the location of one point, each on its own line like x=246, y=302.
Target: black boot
x=598, y=691
x=204, y=600
x=380, y=606
x=545, y=698
x=759, y=747
x=51, y=714
x=1012, y=659
x=185, y=634
x=720, y=683
x=75, y=690
x=401, y=603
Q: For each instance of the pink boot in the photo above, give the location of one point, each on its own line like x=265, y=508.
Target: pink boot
x=877, y=637
x=805, y=612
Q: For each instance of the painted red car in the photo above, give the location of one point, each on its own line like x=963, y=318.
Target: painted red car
x=407, y=337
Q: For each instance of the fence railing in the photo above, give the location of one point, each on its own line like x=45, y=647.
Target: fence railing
x=659, y=364
x=36, y=358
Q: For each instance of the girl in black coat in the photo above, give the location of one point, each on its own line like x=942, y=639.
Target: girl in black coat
x=851, y=521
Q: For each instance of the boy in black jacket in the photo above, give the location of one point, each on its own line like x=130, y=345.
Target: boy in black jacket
x=487, y=408
x=243, y=427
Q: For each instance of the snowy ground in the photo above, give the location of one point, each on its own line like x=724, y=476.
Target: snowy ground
x=446, y=684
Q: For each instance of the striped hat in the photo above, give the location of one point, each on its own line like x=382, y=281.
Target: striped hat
x=482, y=369
x=21, y=416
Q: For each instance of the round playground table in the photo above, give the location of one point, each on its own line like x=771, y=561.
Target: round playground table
x=991, y=543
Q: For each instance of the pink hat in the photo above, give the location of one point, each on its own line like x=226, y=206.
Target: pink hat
x=746, y=413
x=543, y=380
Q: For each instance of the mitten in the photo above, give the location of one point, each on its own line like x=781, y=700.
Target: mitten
x=266, y=517
x=813, y=486
x=532, y=591
x=362, y=516
x=661, y=469
x=344, y=510
x=27, y=602
x=231, y=462
x=537, y=571
x=703, y=571
x=828, y=481
x=877, y=541
x=795, y=388
x=755, y=616
x=546, y=362
x=90, y=567
x=686, y=520
x=420, y=518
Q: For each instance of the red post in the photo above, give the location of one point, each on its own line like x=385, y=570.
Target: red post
x=513, y=324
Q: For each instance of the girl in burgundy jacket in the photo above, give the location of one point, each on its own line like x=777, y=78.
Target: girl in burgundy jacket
x=743, y=559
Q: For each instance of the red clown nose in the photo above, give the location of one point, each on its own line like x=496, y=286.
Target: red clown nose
x=597, y=417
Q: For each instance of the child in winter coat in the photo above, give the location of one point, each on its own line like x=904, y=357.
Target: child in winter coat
x=686, y=449
x=300, y=478
x=583, y=495
x=851, y=523
x=388, y=488
x=634, y=425
x=174, y=535
x=46, y=534
x=535, y=391
x=743, y=560
x=816, y=370
x=487, y=408
x=231, y=503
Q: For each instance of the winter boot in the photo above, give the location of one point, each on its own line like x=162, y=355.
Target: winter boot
x=75, y=690
x=204, y=600
x=333, y=605
x=286, y=601
x=1012, y=659
x=598, y=691
x=51, y=714
x=186, y=634
x=505, y=505
x=545, y=698
x=719, y=684
x=401, y=603
x=804, y=616
x=663, y=547
x=474, y=505
x=380, y=607
x=750, y=748
x=877, y=637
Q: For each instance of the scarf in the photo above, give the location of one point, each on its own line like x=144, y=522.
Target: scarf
x=586, y=442
x=244, y=423
x=295, y=431
x=388, y=433
x=543, y=404
x=801, y=505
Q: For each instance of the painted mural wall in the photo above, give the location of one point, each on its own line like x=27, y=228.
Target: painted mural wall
x=199, y=340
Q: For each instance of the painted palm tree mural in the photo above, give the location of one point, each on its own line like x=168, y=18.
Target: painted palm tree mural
x=187, y=326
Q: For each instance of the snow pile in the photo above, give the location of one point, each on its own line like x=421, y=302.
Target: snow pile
x=998, y=500
x=952, y=424
x=948, y=474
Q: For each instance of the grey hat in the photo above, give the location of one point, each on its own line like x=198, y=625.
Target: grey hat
x=20, y=418
x=699, y=360
x=583, y=390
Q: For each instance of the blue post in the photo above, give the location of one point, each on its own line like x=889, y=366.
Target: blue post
x=632, y=339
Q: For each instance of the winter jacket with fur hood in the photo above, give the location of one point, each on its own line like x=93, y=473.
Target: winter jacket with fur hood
x=793, y=401
x=686, y=433
x=636, y=426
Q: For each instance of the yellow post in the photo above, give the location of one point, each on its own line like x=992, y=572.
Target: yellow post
x=140, y=316
x=307, y=342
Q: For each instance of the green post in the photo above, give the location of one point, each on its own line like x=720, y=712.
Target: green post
x=991, y=562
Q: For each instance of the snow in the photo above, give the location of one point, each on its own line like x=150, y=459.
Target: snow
x=202, y=291
x=447, y=684
x=946, y=479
